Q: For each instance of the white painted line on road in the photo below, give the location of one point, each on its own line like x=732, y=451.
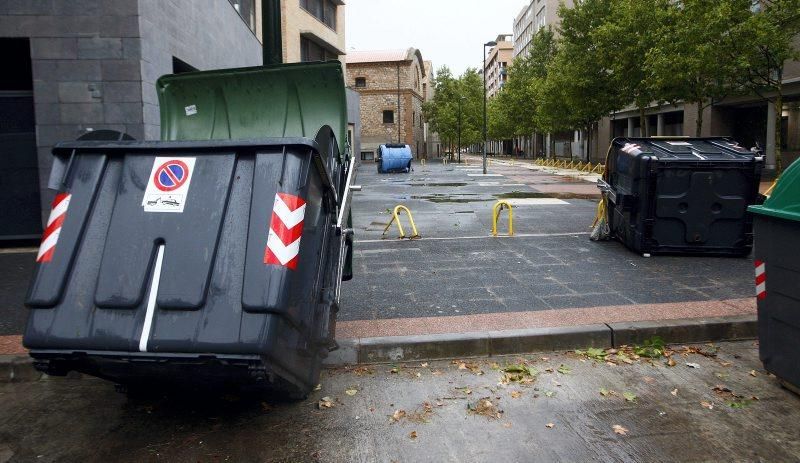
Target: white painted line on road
x=536, y=201
x=457, y=238
x=18, y=250
x=381, y=251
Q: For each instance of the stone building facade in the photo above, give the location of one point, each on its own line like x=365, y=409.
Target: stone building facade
x=392, y=88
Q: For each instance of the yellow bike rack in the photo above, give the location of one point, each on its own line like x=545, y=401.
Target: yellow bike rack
x=396, y=217
x=496, y=215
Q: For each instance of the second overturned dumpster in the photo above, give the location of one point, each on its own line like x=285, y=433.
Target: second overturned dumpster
x=212, y=261
x=681, y=195
x=777, y=273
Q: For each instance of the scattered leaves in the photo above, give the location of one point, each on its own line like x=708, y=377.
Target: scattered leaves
x=739, y=404
x=518, y=373
x=471, y=366
x=674, y=392
x=424, y=365
x=564, y=370
x=550, y=426
x=605, y=392
x=618, y=429
x=398, y=415
x=753, y=373
x=318, y=387
x=325, y=402
x=351, y=392
x=413, y=435
x=651, y=348
x=516, y=394
x=671, y=362
x=549, y=393
x=692, y=365
x=485, y=407
x=629, y=396
x=708, y=405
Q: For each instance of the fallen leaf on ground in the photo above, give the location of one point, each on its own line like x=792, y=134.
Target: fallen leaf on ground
x=516, y=394
x=351, y=392
x=708, y=405
x=394, y=371
x=629, y=396
x=413, y=435
x=318, y=387
x=674, y=392
x=620, y=430
x=549, y=393
x=564, y=370
x=550, y=425
x=325, y=402
x=507, y=425
x=424, y=365
x=692, y=365
x=398, y=415
x=671, y=362
x=486, y=408
x=605, y=392
x=753, y=373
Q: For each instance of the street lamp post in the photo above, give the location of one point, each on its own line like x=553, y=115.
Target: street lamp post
x=460, y=99
x=487, y=44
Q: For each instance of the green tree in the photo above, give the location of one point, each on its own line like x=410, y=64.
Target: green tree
x=690, y=60
x=441, y=112
x=764, y=43
x=578, y=88
x=623, y=40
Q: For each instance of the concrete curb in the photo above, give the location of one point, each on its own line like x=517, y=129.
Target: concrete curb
x=16, y=368
x=526, y=341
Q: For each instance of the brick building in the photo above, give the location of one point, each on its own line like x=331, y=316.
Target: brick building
x=72, y=67
x=392, y=84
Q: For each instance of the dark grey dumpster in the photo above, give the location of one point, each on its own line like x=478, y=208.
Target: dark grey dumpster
x=777, y=274
x=207, y=263
x=681, y=195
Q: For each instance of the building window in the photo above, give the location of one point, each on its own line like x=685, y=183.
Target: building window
x=388, y=117
x=324, y=10
x=361, y=82
x=246, y=9
x=312, y=51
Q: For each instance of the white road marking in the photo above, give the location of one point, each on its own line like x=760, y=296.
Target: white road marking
x=536, y=201
x=458, y=238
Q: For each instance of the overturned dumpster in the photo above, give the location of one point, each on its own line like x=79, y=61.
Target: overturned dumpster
x=681, y=195
x=777, y=273
x=212, y=258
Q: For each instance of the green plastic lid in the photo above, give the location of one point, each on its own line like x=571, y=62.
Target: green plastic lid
x=784, y=202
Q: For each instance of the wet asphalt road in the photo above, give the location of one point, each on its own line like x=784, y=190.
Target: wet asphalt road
x=674, y=415
x=458, y=269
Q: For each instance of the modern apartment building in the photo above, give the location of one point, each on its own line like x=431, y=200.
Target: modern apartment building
x=497, y=62
x=393, y=85
x=72, y=67
x=535, y=15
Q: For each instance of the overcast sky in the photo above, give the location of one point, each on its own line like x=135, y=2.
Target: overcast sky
x=447, y=32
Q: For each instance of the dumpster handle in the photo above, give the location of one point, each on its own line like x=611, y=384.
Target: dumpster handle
x=496, y=215
x=396, y=217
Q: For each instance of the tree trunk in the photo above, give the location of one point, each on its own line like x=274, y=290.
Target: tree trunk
x=778, y=127
x=642, y=122
x=699, y=121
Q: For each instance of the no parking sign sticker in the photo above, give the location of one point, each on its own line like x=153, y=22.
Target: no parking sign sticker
x=168, y=185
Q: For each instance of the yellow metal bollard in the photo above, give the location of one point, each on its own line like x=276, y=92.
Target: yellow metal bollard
x=496, y=215
x=396, y=217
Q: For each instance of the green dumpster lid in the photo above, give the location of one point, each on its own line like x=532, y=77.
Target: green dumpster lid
x=785, y=199
x=286, y=100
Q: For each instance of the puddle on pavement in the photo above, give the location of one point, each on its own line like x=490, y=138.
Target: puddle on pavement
x=527, y=194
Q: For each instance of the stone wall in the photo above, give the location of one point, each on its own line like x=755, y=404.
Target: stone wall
x=380, y=94
x=206, y=34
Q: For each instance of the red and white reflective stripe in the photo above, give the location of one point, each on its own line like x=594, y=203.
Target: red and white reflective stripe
x=761, y=279
x=285, y=231
x=50, y=236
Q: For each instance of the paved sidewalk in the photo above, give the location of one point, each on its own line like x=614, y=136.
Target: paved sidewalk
x=726, y=408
